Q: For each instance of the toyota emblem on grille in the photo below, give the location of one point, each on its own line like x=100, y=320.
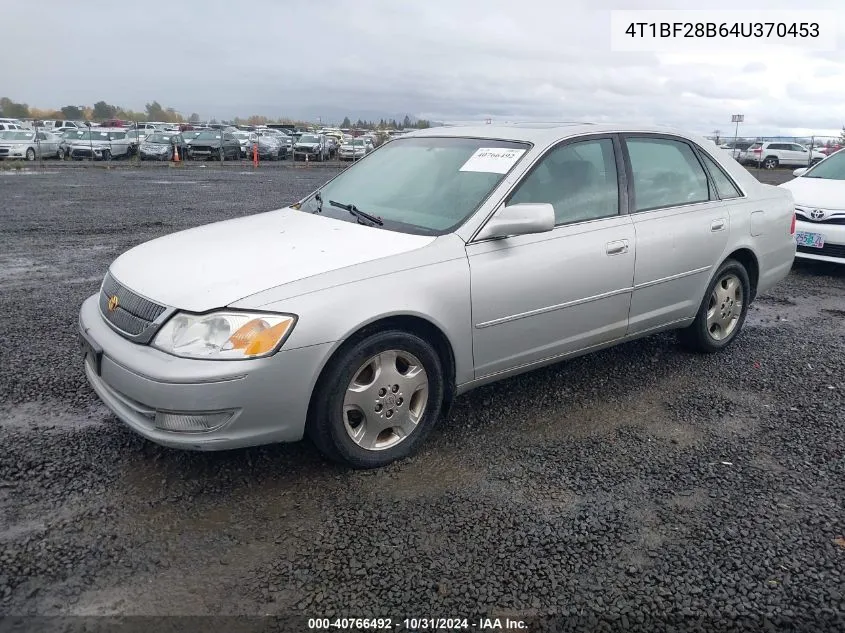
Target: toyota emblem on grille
x=817, y=214
x=113, y=303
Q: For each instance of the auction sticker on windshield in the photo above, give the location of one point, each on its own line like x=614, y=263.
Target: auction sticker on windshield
x=493, y=160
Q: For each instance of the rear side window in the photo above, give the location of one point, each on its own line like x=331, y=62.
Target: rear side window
x=724, y=185
x=666, y=173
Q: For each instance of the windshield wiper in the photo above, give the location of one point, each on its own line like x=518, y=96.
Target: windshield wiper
x=361, y=215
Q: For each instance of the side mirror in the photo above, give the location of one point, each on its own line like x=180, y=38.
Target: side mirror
x=799, y=171
x=519, y=219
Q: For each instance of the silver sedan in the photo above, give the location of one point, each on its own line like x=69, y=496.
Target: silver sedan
x=29, y=145
x=444, y=260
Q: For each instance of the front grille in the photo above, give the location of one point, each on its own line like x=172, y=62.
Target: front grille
x=201, y=148
x=133, y=313
x=837, y=221
x=828, y=250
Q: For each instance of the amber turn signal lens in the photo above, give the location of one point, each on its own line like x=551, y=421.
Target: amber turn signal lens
x=246, y=333
x=265, y=340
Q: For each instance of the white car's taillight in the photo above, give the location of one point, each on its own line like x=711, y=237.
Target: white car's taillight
x=792, y=228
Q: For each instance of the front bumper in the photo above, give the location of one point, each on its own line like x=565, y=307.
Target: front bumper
x=269, y=396
x=834, y=241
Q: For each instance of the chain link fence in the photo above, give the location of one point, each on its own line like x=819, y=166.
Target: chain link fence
x=772, y=152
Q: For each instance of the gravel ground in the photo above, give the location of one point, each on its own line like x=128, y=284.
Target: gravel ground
x=640, y=487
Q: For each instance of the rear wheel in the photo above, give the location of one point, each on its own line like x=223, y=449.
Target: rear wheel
x=771, y=162
x=377, y=400
x=722, y=312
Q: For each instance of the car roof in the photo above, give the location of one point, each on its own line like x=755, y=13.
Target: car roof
x=544, y=133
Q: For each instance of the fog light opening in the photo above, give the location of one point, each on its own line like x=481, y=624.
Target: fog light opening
x=197, y=422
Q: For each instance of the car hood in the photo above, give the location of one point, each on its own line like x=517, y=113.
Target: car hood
x=309, y=145
x=217, y=264
x=817, y=192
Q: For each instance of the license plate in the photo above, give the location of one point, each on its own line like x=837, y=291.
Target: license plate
x=92, y=350
x=813, y=240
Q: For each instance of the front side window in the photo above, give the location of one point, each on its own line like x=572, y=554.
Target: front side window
x=425, y=186
x=724, y=185
x=578, y=179
x=666, y=173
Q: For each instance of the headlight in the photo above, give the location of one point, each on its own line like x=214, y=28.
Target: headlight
x=224, y=335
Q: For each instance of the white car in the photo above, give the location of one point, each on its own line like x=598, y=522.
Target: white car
x=771, y=154
x=819, y=194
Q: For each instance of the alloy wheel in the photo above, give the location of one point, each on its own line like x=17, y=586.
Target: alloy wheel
x=725, y=307
x=385, y=400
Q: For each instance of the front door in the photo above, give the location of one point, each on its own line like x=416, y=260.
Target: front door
x=537, y=297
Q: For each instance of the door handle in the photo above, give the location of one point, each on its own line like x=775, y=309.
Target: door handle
x=718, y=225
x=617, y=248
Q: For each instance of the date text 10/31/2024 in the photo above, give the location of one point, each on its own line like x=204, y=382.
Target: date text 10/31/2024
x=417, y=624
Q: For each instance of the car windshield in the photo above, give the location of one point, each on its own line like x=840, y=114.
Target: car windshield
x=93, y=136
x=159, y=138
x=831, y=168
x=309, y=138
x=427, y=186
x=16, y=135
x=207, y=136
x=243, y=135
x=359, y=142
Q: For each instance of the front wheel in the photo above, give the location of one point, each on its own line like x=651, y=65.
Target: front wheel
x=60, y=154
x=30, y=154
x=377, y=400
x=722, y=312
x=107, y=155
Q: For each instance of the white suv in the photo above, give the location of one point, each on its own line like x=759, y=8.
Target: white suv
x=772, y=153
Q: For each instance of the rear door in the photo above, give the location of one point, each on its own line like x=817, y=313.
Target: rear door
x=681, y=229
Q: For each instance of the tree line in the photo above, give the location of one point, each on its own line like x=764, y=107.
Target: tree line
x=154, y=111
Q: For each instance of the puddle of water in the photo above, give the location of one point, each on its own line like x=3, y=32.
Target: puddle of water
x=33, y=415
x=16, y=267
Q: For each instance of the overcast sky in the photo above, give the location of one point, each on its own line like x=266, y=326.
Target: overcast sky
x=448, y=60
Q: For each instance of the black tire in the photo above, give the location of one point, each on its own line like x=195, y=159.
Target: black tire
x=30, y=154
x=106, y=154
x=61, y=153
x=697, y=337
x=325, y=424
x=771, y=162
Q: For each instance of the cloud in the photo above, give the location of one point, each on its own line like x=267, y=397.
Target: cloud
x=441, y=59
x=754, y=67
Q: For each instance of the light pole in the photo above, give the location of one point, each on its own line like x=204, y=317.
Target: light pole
x=736, y=118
